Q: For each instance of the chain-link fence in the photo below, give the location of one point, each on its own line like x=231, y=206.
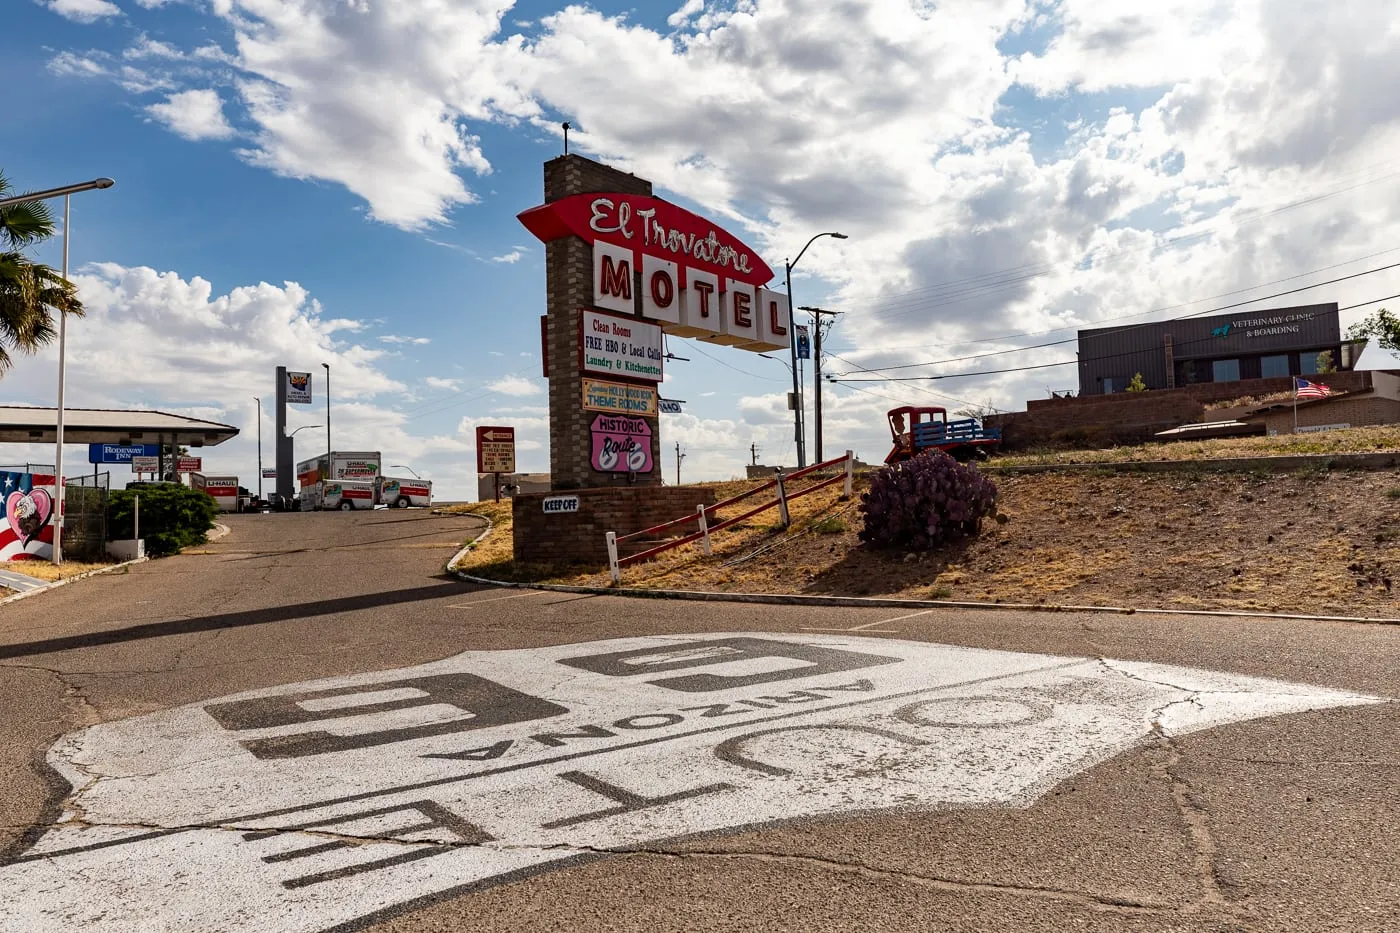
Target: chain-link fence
x=85, y=517
x=38, y=469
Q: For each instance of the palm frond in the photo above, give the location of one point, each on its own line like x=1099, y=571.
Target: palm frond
x=25, y=223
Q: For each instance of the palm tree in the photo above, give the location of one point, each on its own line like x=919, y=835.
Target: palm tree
x=30, y=292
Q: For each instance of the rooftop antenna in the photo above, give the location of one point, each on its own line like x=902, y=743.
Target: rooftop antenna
x=567, y=127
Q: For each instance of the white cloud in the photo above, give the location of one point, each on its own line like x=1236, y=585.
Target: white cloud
x=691, y=8
x=84, y=11
x=397, y=338
x=194, y=115
x=516, y=385
x=1122, y=159
x=146, y=47
x=511, y=257
x=437, y=382
x=160, y=340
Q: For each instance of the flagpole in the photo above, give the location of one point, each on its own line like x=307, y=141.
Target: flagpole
x=1295, y=404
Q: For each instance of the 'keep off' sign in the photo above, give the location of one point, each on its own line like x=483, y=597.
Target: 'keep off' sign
x=495, y=449
x=621, y=444
x=311, y=806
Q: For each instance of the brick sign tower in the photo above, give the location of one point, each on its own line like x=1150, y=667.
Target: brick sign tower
x=569, y=288
x=623, y=269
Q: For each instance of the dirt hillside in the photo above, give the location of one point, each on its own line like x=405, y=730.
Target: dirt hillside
x=1316, y=542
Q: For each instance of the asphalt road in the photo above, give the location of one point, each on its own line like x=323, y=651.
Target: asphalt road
x=839, y=770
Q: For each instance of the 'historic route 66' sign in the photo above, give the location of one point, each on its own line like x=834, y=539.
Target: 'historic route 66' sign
x=308, y=806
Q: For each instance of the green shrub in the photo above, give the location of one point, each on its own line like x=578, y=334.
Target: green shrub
x=831, y=525
x=925, y=502
x=1393, y=492
x=172, y=516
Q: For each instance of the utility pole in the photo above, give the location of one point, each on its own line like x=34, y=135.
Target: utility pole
x=259, y=401
x=679, y=457
x=753, y=453
x=817, y=371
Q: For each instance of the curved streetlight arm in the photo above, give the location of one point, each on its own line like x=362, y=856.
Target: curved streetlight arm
x=832, y=234
x=403, y=466
x=303, y=428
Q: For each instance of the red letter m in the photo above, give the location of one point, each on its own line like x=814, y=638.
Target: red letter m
x=617, y=279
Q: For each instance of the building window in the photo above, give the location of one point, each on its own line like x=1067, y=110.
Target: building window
x=1307, y=362
x=1225, y=371
x=1272, y=367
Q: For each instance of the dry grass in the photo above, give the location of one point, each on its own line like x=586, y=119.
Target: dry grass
x=1298, y=542
x=1349, y=440
x=43, y=570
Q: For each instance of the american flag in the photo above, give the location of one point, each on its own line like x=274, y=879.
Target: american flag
x=26, y=516
x=1302, y=388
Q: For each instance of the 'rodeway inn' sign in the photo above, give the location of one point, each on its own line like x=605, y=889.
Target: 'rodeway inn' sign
x=697, y=280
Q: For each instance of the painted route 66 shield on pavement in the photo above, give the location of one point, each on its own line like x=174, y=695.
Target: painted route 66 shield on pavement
x=309, y=806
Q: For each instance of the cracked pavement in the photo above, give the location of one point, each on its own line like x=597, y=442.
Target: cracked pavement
x=1275, y=823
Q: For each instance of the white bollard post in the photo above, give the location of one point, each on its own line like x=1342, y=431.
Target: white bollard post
x=850, y=473
x=613, y=567
x=704, y=530
x=783, y=515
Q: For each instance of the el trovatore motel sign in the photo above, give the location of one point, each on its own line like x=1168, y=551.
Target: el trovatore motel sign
x=697, y=279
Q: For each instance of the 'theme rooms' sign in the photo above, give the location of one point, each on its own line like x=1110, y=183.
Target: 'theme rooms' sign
x=697, y=280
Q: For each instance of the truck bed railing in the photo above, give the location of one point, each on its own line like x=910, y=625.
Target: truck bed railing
x=965, y=430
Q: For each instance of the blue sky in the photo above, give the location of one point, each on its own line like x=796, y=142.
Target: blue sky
x=377, y=157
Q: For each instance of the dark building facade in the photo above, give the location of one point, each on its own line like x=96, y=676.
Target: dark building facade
x=1279, y=342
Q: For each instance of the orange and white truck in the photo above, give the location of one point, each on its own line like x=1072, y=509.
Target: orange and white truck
x=347, y=495
x=399, y=493
x=341, y=479
x=222, y=489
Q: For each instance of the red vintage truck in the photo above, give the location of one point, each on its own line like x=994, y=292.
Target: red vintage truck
x=914, y=430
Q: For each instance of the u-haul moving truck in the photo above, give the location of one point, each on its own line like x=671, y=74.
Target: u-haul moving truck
x=222, y=489
x=398, y=493
x=347, y=495
x=321, y=479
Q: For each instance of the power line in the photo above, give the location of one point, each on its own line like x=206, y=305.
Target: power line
x=992, y=282
x=1122, y=317
x=1237, y=304
x=1093, y=359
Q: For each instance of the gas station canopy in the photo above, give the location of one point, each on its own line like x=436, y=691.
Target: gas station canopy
x=26, y=425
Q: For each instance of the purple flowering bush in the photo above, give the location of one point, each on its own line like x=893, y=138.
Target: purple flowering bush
x=926, y=502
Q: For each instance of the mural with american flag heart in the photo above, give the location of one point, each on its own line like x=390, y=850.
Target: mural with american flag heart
x=26, y=532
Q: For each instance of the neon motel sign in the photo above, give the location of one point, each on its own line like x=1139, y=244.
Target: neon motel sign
x=696, y=279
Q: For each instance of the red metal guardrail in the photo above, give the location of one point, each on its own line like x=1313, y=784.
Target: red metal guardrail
x=703, y=513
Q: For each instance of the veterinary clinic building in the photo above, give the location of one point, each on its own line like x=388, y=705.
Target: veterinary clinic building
x=1279, y=342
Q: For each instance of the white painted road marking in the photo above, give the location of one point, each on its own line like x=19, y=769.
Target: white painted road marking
x=870, y=626
x=313, y=805
x=493, y=599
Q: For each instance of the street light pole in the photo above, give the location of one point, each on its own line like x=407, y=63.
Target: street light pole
x=63, y=192
x=259, y=401
x=797, y=433
x=402, y=466
x=328, y=415
x=817, y=372
x=798, y=427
